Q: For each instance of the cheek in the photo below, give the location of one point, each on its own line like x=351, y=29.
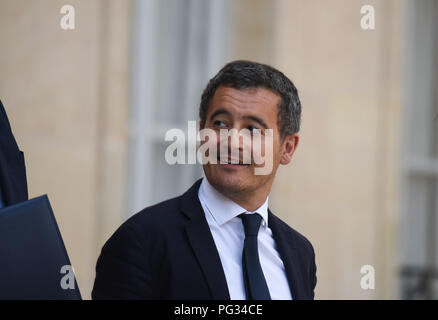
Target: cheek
x=259, y=147
x=277, y=150
x=264, y=147
x=209, y=140
x=207, y=146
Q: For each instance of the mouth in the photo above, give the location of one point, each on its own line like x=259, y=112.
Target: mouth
x=232, y=163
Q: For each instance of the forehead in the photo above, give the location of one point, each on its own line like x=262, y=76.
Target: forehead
x=260, y=101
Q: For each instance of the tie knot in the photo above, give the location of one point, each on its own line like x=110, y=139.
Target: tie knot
x=251, y=223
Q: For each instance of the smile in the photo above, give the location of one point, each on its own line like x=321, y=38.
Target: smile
x=233, y=162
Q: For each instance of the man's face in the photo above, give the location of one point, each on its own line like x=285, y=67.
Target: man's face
x=255, y=108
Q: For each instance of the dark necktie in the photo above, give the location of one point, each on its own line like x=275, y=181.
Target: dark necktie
x=255, y=282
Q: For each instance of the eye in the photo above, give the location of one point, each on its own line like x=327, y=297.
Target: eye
x=219, y=123
x=252, y=128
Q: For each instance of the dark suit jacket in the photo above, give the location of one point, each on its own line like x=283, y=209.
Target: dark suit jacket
x=13, y=183
x=167, y=252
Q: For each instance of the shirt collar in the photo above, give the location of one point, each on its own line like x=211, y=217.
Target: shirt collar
x=223, y=209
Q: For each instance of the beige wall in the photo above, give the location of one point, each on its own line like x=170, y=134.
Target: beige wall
x=341, y=190
x=250, y=30
x=66, y=94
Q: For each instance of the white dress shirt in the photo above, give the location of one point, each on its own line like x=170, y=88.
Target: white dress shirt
x=228, y=234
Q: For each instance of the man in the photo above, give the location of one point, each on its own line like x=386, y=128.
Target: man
x=219, y=240
x=13, y=183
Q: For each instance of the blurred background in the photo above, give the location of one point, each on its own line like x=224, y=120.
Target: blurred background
x=89, y=107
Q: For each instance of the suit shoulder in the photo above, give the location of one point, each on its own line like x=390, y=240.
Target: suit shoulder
x=148, y=225
x=157, y=216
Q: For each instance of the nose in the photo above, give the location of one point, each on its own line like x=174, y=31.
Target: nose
x=236, y=144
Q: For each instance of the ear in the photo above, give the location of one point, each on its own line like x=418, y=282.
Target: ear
x=201, y=125
x=288, y=147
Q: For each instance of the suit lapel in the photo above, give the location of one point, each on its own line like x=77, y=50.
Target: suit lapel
x=288, y=253
x=202, y=243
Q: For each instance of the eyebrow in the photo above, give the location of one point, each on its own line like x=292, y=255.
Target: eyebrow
x=227, y=113
x=219, y=112
x=258, y=120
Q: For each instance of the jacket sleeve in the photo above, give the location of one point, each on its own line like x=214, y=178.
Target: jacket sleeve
x=122, y=268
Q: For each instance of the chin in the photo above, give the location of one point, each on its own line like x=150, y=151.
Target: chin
x=229, y=182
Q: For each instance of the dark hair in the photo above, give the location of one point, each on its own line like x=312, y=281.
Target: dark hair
x=244, y=74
